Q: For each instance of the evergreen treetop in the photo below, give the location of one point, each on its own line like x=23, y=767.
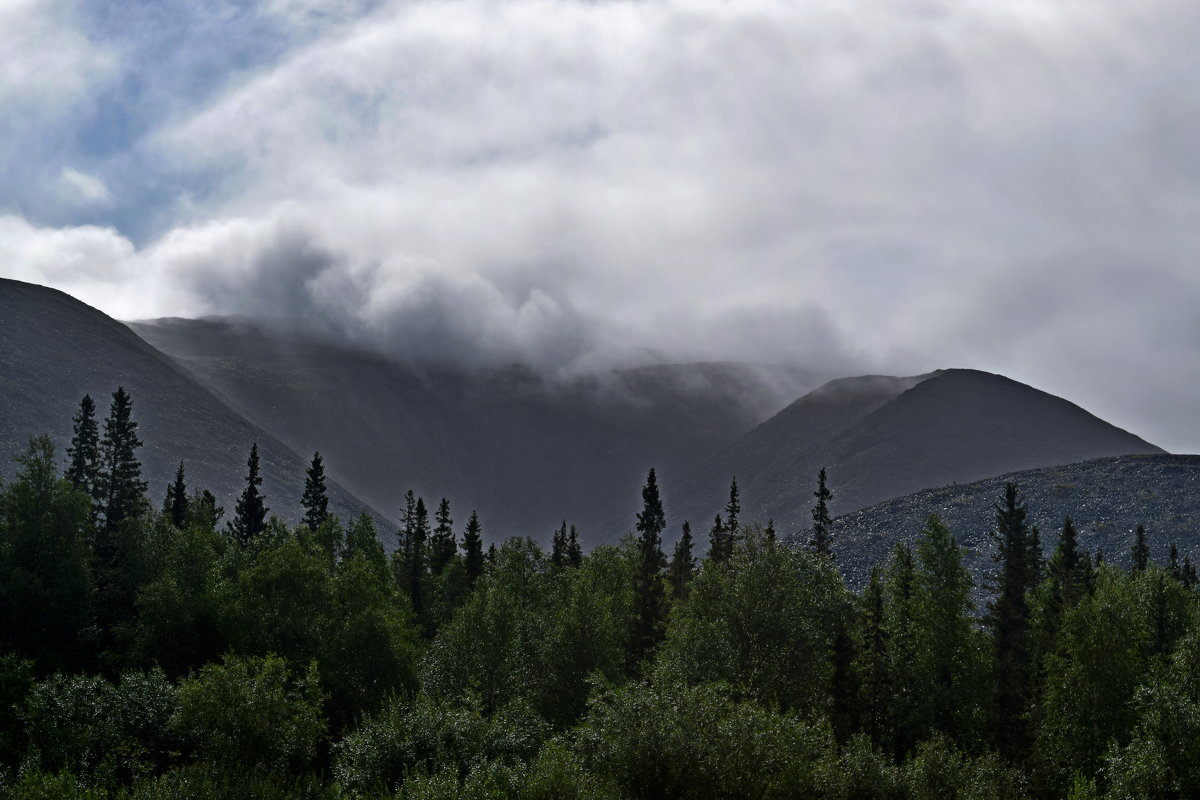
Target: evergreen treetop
x=315, y=500
x=443, y=546
x=733, y=507
x=176, y=504
x=120, y=490
x=84, y=466
x=683, y=564
x=574, y=551
x=473, y=549
x=250, y=515
x=822, y=528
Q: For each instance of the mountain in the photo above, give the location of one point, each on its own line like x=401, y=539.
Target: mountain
x=1106, y=498
x=882, y=437
x=54, y=349
x=525, y=450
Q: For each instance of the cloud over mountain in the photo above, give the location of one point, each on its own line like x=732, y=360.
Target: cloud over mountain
x=896, y=187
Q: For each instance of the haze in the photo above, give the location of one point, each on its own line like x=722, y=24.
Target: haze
x=886, y=186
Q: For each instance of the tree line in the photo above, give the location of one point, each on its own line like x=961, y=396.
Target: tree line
x=155, y=651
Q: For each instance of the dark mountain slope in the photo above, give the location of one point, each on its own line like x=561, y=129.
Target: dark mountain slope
x=523, y=450
x=54, y=349
x=886, y=437
x=1106, y=499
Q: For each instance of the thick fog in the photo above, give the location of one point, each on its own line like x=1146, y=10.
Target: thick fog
x=889, y=186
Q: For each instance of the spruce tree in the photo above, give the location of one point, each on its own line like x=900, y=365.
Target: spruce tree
x=1173, y=565
x=315, y=501
x=120, y=490
x=822, y=529
x=574, y=551
x=1008, y=618
x=84, y=467
x=683, y=564
x=1070, y=570
x=176, y=504
x=473, y=549
x=250, y=515
x=442, y=545
x=733, y=508
x=720, y=542
x=1140, y=551
x=558, y=546
x=418, y=538
x=649, y=608
x=769, y=531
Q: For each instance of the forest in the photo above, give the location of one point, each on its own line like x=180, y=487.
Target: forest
x=164, y=648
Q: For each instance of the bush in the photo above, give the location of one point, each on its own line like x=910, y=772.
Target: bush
x=251, y=713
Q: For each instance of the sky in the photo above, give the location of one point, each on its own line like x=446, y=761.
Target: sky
x=885, y=186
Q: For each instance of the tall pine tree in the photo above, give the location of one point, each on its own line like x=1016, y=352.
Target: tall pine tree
x=473, y=549
x=720, y=542
x=558, y=546
x=315, y=501
x=733, y=508
x=683, y=564
x=649, y=608
x=442, y=545
x=250, y=515
x=574, y=551
x=84, y=467
x=176, y=504
x=822, y=528
x=1019, y=557
x=120, y=490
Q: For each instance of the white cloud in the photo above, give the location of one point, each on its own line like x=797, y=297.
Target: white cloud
x=892, y=185
x=49, y=67
x=80, y=189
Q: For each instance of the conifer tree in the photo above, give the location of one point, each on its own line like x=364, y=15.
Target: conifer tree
x=1173, y=565
x=720, y=542
x=442, y=546
x=84, y=467
x=1070, y=570
x=649, y=610
x=683, y=564
x=315, y=501
x=418, y=537
x=250, y=515
x=822, y=529
x=473, y=549
x=1008, y=618
x=120, y=490
x=769, y=531
x=558, y=546
x=574, y=551
x=1140, y=550
x=491, y=554
x=733, y=508
x=176, y=504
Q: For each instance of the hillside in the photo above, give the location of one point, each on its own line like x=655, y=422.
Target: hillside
x=1106, y=498
x=524, y=450
x=883, y=437
x=54, y=349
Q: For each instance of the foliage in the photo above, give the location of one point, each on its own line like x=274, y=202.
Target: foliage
x=252, y=713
